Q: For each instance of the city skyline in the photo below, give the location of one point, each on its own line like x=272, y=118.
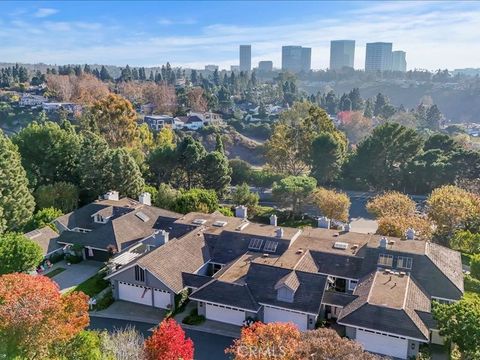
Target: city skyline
x=189, y=34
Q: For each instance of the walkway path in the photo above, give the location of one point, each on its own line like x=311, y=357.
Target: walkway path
x=75, y=274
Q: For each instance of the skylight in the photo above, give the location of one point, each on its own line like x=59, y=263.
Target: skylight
x=199, y=221
x=340, y=245
x=219, y=223
x=270, y=246
x=142, y=216
x=255, y=244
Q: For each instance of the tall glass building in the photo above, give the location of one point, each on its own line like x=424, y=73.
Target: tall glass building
x=378, y=56
x=245, y=57
x=342, y=54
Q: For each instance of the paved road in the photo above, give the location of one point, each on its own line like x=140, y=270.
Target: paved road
x=207, y=346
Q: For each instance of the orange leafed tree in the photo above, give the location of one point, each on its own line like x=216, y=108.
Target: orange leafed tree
x=162, y=96
x=266, y=342
x=196, y=100
x=84, y=89
x=34, y=316
x=168, y=342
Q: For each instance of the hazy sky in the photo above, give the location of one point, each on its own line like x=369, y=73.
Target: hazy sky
x=435, y=34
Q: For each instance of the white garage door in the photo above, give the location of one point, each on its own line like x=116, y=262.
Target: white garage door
x=383, y=344
x=161, y=299
x=278, y=315
x=134, y=293
x=226, y=315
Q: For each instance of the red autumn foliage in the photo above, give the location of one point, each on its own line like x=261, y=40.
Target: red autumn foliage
x=266, y=342
x=168, y=342
x=34, y=315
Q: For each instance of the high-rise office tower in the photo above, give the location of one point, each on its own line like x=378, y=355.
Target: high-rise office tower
x=296, y=58
x=245, y=57
x=265, y=66
x=399, y=62
x=378, y=56
x=342, y=54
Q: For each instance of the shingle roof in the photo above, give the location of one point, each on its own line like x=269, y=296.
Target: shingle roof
x=337, y=298
x=447, y=260
x=388, y=303
x=261, y=280
x=46, y=238
x=290, y=280
x=178, y=256
x=194, y=280
x=332, y=264
x=229, y=294
x=126, y=226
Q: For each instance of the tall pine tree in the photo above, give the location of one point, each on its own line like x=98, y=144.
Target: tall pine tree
x=16, y=201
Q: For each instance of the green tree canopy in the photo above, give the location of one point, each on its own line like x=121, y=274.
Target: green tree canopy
x=16, y=201
x=60, y=195
x=49, y=153
x=216, y=172
x=460, y=323
x=293, y=191
x=18, y=253
x=124, y=174
x=381, y=158
x=200, y=200
x=43, y=217
x=243, y=196
x=327, y=156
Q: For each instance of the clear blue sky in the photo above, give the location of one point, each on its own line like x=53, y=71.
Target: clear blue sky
x=435, y=34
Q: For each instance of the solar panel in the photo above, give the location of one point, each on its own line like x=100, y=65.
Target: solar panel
x=270, y=246
x=340, y=245
x=255, y=244
x=142, y=216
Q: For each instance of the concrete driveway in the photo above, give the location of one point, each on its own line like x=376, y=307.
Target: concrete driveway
x=75, y=274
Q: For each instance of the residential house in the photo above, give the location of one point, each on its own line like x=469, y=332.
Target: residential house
x=46, y=238
x=379, y=289
x=110, y=225
x=191, y=122
x=158, y=122
x=32, y=100
x=54, y=106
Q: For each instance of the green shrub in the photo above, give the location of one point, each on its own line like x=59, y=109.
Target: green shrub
x=105, y=301
x=472, y=284
x=56, y=257
x=193, y=318
x=73, y=259
x=475, y=266
x=225, y=211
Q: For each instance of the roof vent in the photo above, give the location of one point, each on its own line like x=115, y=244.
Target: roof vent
x=199, y=221
x=336, y=234
x=219, y=223
x=299, y=251
x=391, y=242
x=265, y=255
x=354, y=246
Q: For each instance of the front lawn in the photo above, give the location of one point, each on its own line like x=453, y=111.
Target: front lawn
x=93, y=285
x=54, y=272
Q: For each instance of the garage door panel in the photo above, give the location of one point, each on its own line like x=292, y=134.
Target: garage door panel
x=136, y=294
x=222, y=314
x=383, y=344
x=278, y=315
x=161, y=299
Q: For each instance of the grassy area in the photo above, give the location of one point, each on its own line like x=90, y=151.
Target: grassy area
x=93, y=285
x=54, y=272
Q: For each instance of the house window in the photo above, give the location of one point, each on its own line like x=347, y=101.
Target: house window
x=385, y=260
x=352, y=284
x=404, y=262
x=139, y=273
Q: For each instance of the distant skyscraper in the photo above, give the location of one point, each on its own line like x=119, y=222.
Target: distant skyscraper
x=399, y=62
x=342, y=54
x=265, y=66
x=245, y=57
x=296, y=58
x=378, y=57
x=211, y=67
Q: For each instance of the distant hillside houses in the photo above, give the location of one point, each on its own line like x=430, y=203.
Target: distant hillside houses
x=192, y=121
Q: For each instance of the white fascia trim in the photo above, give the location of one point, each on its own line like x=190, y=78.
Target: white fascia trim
x=290, y=310
x=384, y=332
x=218, y=304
